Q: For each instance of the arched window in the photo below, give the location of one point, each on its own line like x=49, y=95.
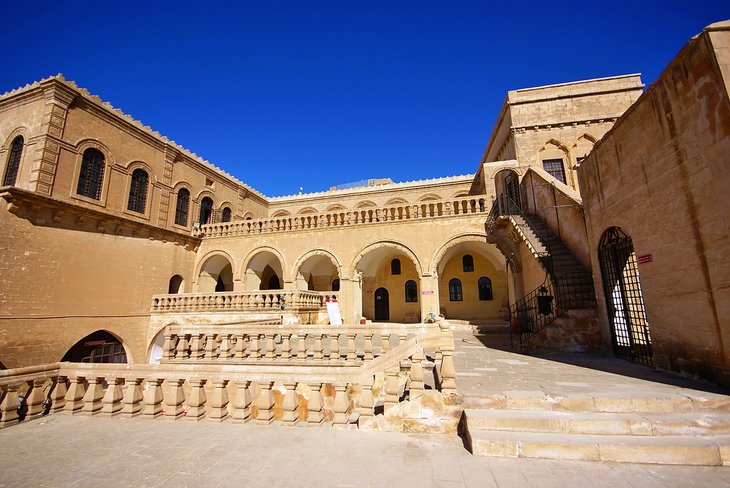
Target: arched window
x=485, y=288
x=138, y=191
x=11, y=172
x=455, y=290
x=91, y=175
x=467, y=263
x=181, y=209
x=411, y=291
x=206, y=210
x=395, y=267
x=336, y=284
x=175, y=284
x=226, y=216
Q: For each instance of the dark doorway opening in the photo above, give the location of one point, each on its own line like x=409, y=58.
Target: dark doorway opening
x=382, y=305
x=97, y=347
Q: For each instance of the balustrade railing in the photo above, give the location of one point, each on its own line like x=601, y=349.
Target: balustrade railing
x=326, y=393
x=259, y=300
x=459, y=206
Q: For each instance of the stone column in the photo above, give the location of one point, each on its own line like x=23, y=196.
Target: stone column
x=219, y=401
x=264, y=403
x=174, y=399
x=153, y=398
x=350, y=300
x=196, y=400
x=132, y=399
x=429, y=295
x=35, y=398
x=112, y=401
x=9, y=406
x=75, y=394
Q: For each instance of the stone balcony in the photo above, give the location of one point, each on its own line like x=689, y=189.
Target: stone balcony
x=465, y=206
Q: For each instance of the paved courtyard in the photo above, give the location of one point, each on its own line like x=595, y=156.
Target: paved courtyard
x=66, y=451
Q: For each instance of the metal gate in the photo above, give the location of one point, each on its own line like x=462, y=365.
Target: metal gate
x=624, y=301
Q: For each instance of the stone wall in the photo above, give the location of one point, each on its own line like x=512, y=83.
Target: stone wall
x=661, y=175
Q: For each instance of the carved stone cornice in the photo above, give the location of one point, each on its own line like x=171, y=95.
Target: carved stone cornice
x=28, y=204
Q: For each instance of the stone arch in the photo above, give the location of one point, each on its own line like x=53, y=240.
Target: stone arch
x=428, y=197
x=307, y=211
x=471, y=237
x=77, y=349
x=254, y=270
x=507, y=182
x=315, y=253
x=212, y=270
x=396, y=201
x=555, y=149
x=154, y=346
x=81, y=146
x=398, y=246
x=460, y=194
x=365, y=204
x=281, y=213
x=583, y=146
x=337, y=207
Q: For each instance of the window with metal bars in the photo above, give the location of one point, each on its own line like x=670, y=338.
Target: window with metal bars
x=138, y=191
x=455, y=294
x=485, y=288
x=91, y=176
x=555, y=168
x=467, y=263
x=226, y=215
x=182, y=206
x=395, y=267
x=411, y=291
x=11, y=172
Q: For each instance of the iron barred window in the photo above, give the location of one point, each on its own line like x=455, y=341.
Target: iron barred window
x=485, y=288
x=555, y=168
x=182, y=206
x=138, y=191
x=11, y=172
x=411, y=291
x=395, y=267
x=467, y=263
x=226, y=217
x=455, y=290
x=91, y=176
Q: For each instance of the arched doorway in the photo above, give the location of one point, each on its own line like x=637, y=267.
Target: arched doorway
x=216, y=275
x=97, y=347
x=264, y=271
x=624, y=301
x=318, y=272
x=206, y=210
x=508, y=184
x=382, y=305
x=175, y=285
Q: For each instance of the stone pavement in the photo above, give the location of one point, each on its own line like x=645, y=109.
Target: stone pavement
x=76, y=451
x=482, y=371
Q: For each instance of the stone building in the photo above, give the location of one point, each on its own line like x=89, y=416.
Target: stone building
x=112, y=232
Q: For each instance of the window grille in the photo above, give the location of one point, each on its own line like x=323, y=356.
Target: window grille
x=485, y=288
x=411, y=291
x=182, y=206
x=455, y=290
x=555, y=168
x=395, y=267
x=11, y=172
x=91, y=176
x=467, y=263
x=138, y=191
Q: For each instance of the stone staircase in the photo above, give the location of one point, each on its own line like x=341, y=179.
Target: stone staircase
x=671, y=430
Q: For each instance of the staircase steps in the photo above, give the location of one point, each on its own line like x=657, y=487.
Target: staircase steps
x=662, y=430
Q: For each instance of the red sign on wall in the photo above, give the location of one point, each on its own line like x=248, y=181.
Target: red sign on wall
x=643, y=259
x=427, y=292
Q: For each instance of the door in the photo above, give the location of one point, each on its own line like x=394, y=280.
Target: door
x=382, y=306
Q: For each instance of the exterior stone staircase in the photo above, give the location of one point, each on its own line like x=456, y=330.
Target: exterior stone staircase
x=672, y=430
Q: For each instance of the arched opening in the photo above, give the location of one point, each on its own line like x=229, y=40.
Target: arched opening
x=380, y=286
x=336, y=285
x=624, y=301
x=318, y=272
x=554, y=157
x=264, y=271
x=472, y=281
x=137, y=201
x=11, y=169
x=215, y=275
x=176, y=285
x=226, y=214
x=97, y=347
x=155, y=350
x=206, y=210
x=382, y=305
x=507, y=182
x=181, y=207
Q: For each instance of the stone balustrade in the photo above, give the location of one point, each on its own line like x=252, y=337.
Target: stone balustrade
x=287, y=393
x=257, y=301
x=428, y=210
x=264, y=343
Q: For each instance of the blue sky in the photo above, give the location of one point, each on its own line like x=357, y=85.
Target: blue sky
x=313, y=94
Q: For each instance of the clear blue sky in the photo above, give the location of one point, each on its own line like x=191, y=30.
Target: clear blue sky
x=306, y=93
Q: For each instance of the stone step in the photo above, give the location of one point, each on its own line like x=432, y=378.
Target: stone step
x=707, y=451
x=529, y=400
x=693, y=424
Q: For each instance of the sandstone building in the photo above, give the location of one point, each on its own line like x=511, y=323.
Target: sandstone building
x=112, y=232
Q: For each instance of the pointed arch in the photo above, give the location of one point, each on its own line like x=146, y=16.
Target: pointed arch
x=386, y=245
